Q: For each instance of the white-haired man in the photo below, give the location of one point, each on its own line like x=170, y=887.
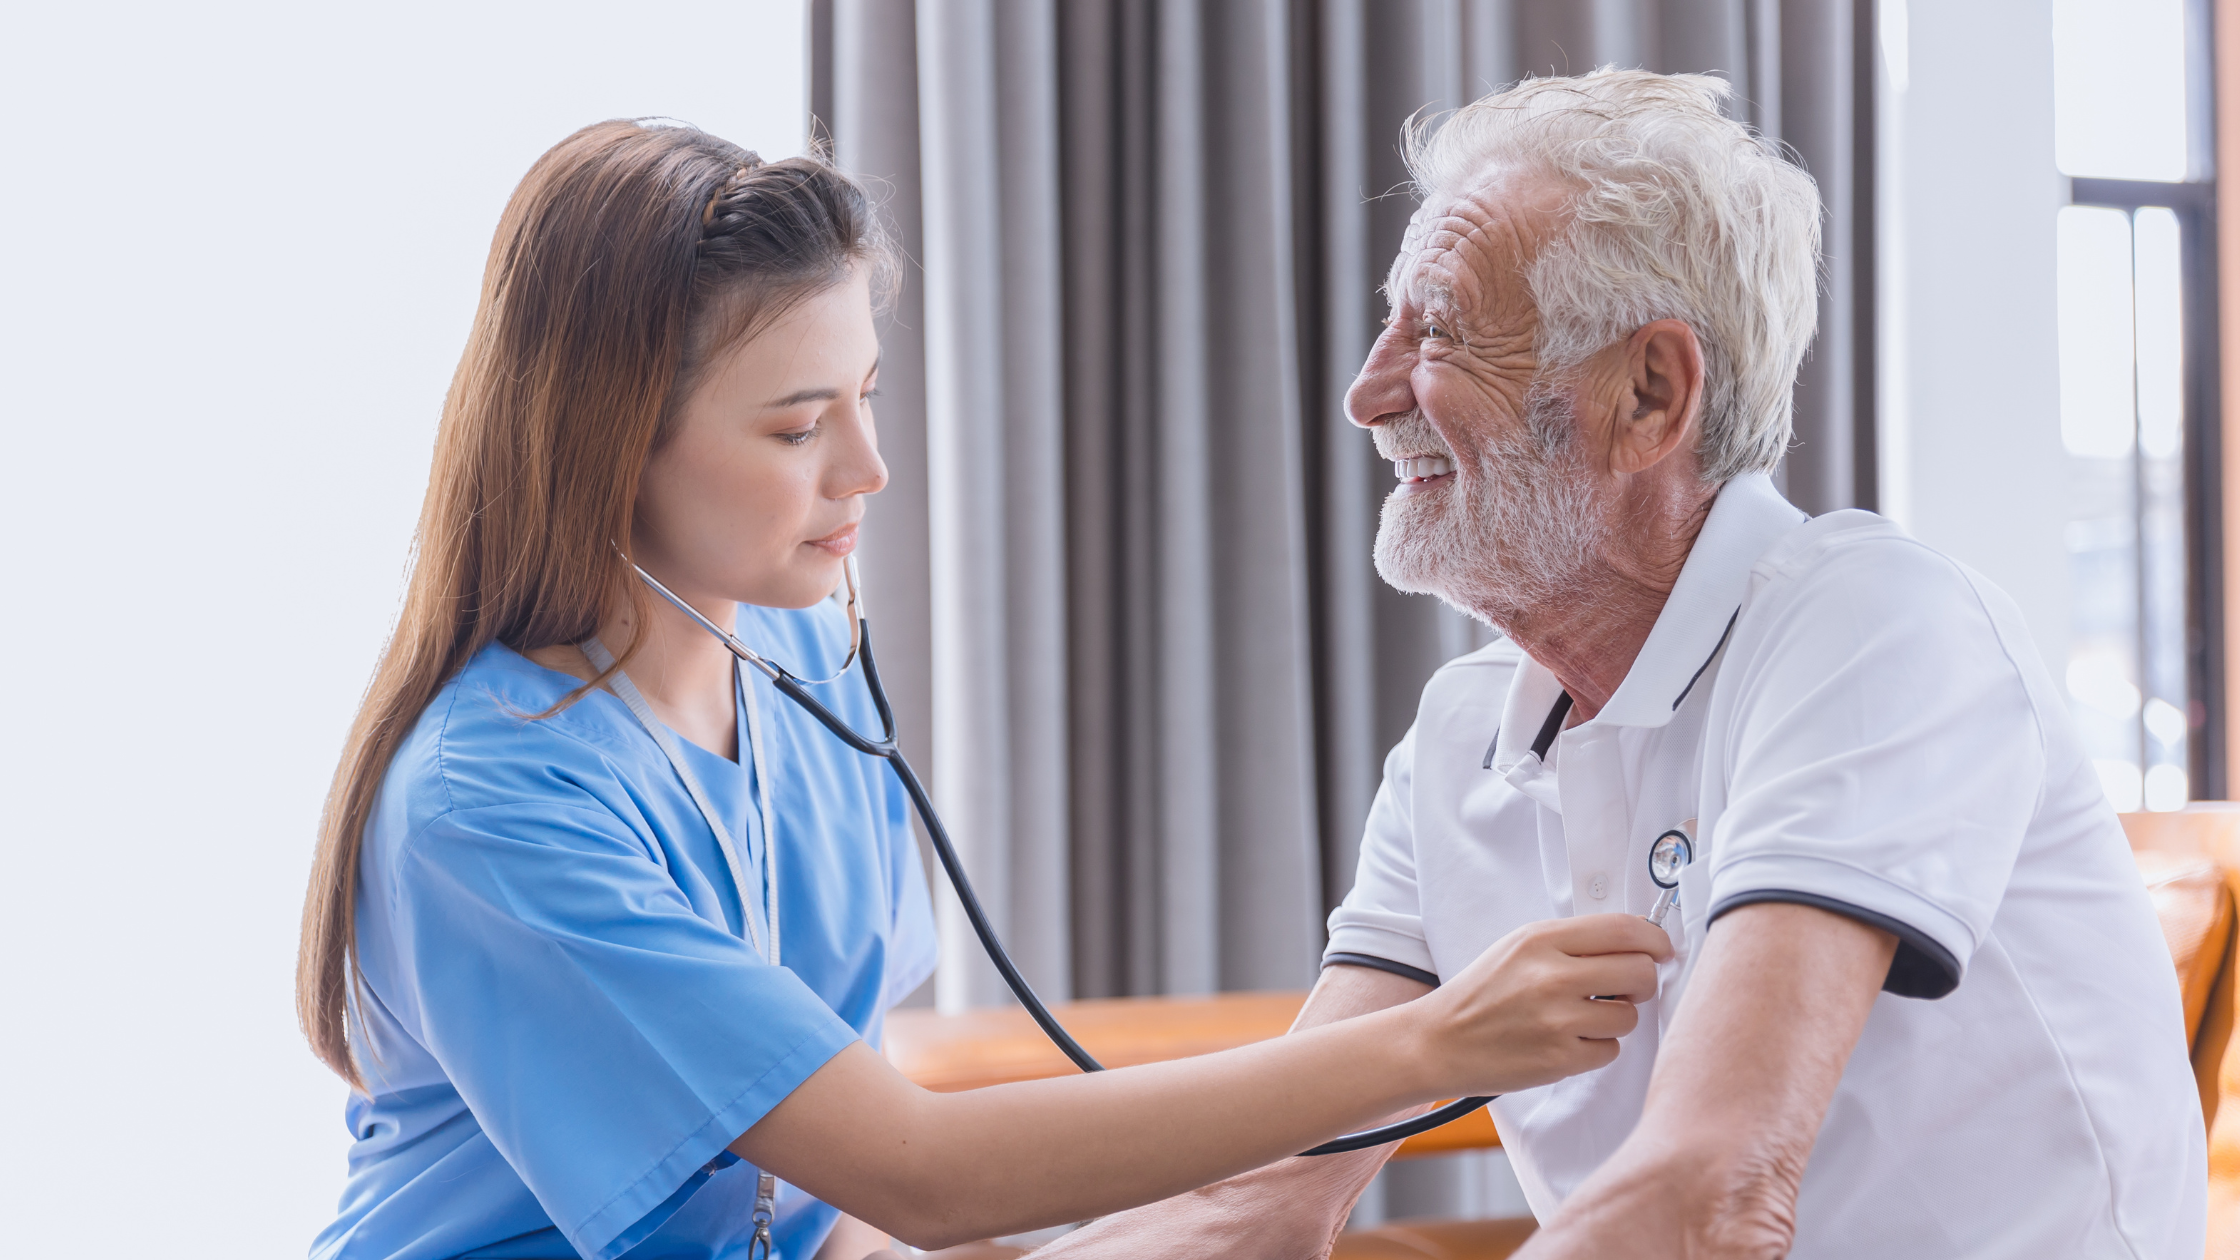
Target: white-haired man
x=1920, y=1006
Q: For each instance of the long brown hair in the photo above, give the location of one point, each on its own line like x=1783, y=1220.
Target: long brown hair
x=630, y=256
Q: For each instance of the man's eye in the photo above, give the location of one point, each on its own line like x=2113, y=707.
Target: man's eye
x=1433, y=331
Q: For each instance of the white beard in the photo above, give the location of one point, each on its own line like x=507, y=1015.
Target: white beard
x=1518, y=530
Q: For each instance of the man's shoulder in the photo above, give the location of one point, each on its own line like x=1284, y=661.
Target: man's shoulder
x=1854, y=546
x=1852, y=590
x=1855, y=565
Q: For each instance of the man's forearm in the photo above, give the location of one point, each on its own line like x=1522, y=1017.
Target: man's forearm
x=1742, y=1082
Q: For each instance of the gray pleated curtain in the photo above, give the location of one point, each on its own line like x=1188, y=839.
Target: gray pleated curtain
x=1122, y=578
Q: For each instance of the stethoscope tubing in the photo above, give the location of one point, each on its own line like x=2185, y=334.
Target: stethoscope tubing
x=887, y=749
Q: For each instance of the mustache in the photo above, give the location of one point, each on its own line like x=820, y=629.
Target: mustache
x=1409, y=434
x=1550, y=422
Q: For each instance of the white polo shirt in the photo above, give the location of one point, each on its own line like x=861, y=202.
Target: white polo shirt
x=1853, y=721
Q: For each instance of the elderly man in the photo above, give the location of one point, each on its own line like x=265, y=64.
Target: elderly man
x=1920, y=1006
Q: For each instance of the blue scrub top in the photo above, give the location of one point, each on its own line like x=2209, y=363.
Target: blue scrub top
x=563, y=1027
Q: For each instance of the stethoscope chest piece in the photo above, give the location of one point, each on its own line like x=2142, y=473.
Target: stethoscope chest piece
x=1668, y=856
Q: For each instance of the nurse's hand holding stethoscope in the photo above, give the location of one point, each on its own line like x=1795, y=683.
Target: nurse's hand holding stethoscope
x=1547, y=1001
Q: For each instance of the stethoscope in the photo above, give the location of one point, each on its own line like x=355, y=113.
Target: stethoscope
x=885, y=748
x=1668, y=856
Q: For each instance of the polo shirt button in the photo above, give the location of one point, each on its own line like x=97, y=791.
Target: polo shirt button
x=1599, y=886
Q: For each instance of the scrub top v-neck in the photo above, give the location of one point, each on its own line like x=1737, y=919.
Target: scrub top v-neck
x=563, y=1024
x=731, y=786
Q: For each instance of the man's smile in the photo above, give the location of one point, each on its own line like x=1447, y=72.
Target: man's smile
x=1418, y=473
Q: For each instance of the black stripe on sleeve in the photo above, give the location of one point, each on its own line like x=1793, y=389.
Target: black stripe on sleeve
x=1921, y=968
x=1374, y=963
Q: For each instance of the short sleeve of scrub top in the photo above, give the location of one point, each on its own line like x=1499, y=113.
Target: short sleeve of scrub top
x=1885, y=751
x=658, y=1043
x=564, y=1028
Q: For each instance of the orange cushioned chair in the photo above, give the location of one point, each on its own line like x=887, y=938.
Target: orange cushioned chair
x=2190, y=859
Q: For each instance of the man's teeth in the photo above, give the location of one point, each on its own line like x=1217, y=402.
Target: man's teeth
x=1422, y=467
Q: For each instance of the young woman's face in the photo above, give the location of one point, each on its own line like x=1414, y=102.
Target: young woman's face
x=757, y=494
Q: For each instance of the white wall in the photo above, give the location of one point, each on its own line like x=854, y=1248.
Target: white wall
x=1972, y=460
x=241, y=249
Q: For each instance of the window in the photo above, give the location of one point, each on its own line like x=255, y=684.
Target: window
x=2136, y=277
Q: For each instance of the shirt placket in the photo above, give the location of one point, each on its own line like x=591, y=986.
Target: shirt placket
x=1538, y=781
x=1595, y=817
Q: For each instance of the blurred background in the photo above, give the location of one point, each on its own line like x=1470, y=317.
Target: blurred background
x=1122, y=577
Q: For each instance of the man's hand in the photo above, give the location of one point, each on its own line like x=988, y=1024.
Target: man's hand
x=1741, y=1085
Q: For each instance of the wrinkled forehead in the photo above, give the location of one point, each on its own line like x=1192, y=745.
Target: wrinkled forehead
x=1469, y=249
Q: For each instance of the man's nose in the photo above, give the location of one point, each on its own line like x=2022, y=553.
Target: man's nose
x=1384, y=388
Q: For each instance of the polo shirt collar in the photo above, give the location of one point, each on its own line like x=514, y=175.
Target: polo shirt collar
x=1747, y=518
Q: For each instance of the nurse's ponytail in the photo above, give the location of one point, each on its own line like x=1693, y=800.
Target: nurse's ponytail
x=628, y=259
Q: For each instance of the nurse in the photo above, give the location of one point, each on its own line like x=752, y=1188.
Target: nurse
x=601, y=930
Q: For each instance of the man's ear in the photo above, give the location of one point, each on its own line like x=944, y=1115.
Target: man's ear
x=1664, y=366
